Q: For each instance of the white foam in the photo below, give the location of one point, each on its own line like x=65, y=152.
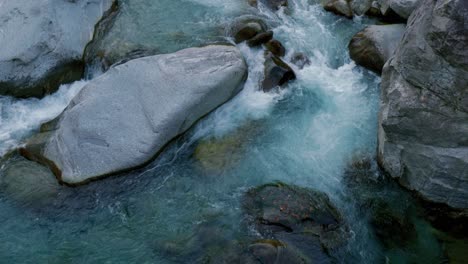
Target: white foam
x=19, y=117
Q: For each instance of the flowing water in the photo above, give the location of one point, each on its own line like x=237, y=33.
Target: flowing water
x=186, y=204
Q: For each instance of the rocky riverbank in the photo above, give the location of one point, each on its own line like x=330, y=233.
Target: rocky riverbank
x=243, y=131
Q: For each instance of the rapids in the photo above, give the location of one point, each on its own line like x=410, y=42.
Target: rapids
x=307, y=135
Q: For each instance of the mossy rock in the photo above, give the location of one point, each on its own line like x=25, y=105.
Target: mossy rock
x=217, y=154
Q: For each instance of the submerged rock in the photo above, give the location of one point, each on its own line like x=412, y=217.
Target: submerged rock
x=43, y=43
x=274, y=251
x=423, y=119
x=393, y=227
x=388, y=207
x=27, y=182
x=300, y=60
x=220, y=153
x=272, y=4
x=277, y=72
x=300, y=218
x=123, y=118
x=374, y=45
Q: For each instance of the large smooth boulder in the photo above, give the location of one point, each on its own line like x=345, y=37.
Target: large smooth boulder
x=123, y=118
x=423, y=120
x=374, y=45
x=43, y=43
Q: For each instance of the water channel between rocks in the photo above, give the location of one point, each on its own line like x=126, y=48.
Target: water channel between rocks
x=186, y=205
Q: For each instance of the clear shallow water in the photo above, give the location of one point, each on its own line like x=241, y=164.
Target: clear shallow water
x=186, y=204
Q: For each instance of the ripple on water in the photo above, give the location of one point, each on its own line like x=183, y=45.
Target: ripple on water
x=175, y=210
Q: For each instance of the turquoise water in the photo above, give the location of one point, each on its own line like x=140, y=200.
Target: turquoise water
x=185, y=206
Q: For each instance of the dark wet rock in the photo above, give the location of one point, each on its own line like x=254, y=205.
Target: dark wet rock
x=246, y=27
x=27, y=182
x=300, y=218
x=423, y=120
x=374, y=45
x=276, y=48
x=274, y=251
x=43, y=43
x=456, y=249
x=446, y=219
x=393, y=227
x=260, y=39
x=277, y=72
x=300, y=60
x=389, y=208
x=109, y=128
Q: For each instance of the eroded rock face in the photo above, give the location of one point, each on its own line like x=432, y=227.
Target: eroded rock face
x=43, y=43
x=388, y=10
x=402, y=8
x=423, y=120
x=374, y=45
x=123, y=118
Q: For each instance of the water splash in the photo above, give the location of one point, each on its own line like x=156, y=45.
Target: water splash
x=20, y=117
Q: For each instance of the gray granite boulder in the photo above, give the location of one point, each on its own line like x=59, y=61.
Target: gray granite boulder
x=125, y=117
x=402, y=8
x=43, y=43
x=390, y=10
x=374, y=45
x=423, y=120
